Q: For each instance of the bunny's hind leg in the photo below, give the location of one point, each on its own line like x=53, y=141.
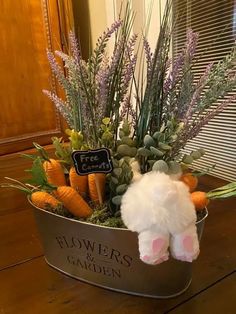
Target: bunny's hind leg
x=185, y=245
x=153, y=247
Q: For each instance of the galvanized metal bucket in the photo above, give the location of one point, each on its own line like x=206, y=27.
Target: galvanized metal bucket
x=109, y=257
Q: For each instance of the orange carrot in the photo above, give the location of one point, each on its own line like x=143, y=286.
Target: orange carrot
x=74, y=203
x=190, y=180
x=53, y=169
x=54, y=172
x=199, y=199
x=40, y=199
x=77, y=182
x=93, y=192
x=43, y=199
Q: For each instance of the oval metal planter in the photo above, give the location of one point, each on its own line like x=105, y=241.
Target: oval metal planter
x=109, y=257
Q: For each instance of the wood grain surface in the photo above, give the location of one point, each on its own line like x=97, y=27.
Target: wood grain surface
x=218, y=299
x=27, y=29
x=19, y=238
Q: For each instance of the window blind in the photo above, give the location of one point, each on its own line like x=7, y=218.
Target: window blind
x=215, y=21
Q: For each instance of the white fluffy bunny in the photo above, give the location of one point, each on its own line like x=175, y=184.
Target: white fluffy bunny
x=159, y=208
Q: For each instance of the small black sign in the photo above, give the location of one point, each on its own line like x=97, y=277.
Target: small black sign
x=92, y=161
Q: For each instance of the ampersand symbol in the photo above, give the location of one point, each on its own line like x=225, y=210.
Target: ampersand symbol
x=89, y=257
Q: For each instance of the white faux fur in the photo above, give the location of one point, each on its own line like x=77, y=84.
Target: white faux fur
x=155, y=199
x=158, y=207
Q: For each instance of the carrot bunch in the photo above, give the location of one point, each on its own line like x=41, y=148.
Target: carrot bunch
x=77, y=182
x=67, y=195
x=201, y=199
x=41, y=190
x=92, y=184
x=48, y=187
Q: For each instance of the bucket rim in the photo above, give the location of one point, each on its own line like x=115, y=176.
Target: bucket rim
x=94, y=225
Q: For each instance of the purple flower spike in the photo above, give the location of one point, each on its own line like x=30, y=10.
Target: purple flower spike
x=75, y=47
x=197, y=93
x=191, y=44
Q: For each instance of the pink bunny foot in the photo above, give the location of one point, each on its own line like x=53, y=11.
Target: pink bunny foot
x=185, y=246
x=153, y=251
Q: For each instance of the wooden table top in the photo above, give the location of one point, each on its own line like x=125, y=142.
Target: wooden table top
x=29, y=285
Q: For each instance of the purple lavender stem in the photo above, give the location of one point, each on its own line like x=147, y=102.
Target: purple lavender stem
x=197, y=93
x=62, y=107
x=204, y=120
x=191, y=43
x=57, y=70
x=74, y=47
x=175, y=73
x=149, y=57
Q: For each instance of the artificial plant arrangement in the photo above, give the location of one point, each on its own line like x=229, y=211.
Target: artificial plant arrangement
x=145, y=120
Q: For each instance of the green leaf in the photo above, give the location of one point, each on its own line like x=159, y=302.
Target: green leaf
x=164, y=146
x=41, y=151
x=187, y=159
x=128, y=141
x=202, y=172
x=123, y=150
x=222, y=194
x=117, y=200
x=38, y=175
x=180, y=127
x=156, y=151
x=121, y=189
x=160, y=165
x=121, y=134
x=142, y=151
x=202, y=151
x=174, y=167
x=231, y=185
x=114, y=180
x=103, y=127
x=117, y=172
x=196, y=154
x=174, y=137
x=169, y=124
x=106, y=121
x=158, y=136
x=61, y=151
x=148, y=141
x=115, y=163
x=133, y=152
x=126, y=128
x=28, y=156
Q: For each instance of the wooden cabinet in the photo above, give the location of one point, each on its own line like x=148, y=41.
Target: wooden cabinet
x=27, y=29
